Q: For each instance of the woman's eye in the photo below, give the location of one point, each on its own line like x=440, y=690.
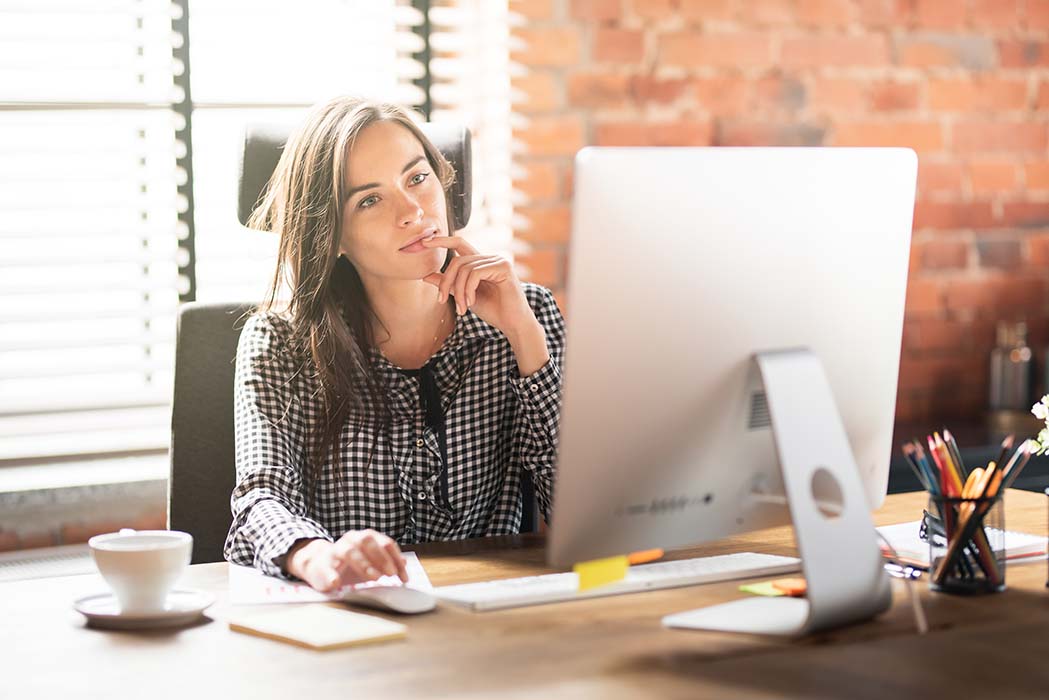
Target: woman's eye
x=419, y=177
x=367, y=201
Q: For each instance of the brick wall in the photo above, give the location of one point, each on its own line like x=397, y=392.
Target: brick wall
x=963, y=82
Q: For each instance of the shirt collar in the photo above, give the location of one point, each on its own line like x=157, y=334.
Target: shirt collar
x=469, y=326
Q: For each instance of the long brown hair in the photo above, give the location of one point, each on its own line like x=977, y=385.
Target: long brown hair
x=330, y=314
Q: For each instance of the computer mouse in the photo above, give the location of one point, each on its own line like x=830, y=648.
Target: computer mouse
x=399, y=599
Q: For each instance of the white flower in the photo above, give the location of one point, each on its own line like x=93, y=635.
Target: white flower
x=1041, y=409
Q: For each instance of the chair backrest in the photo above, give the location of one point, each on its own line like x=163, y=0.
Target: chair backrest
x=202, y=453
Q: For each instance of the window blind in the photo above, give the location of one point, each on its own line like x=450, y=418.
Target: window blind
x=89, y=142
x=88, y=226
x=89, y=229
x=471, y=86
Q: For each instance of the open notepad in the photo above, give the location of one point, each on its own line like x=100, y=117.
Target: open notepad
x=913, y=550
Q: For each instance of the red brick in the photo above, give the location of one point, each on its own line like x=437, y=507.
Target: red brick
x=685, y=133
x=723, y=96
x=877, y=13
x=768, y=12
x=1042, y=100
x=707, y=10
x=921, y=136
x=9, y=541
x=750, y=133
x=549, y=224
x=818, y=52
x=539, y=90
x=972, y=52
x=935, y=334
x=984, y=137
x=596, y=9
x=838, y=95
x=1038, y=250
x=544, y=266
x=778, y=93
x=654, y=9
x=826, y=13
x=952, y=215
x=1037, y=15
x=939, y=177
x=560, y=135
x=992, y=176
x=1036, y=175
x=967, y=95
x=999, y=252
x=942, y=254
x=618, y=45
x=598, y=89
x=1025, y=214
x=1017, y=53
x=42, y=538
x=75, y=533
x=995, y=295
x=548, y=46
x=924, y=298
x=893, y=97
x=552, y=135
x=995, y=14
x=154, y=519
x=542, y=181
x=736, y=50
x=645, y=88
x=533, y=9
x=938, y=14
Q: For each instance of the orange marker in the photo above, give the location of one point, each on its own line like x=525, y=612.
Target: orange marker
x=644, y=556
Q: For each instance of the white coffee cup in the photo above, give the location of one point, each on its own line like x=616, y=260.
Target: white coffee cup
x=142, y=566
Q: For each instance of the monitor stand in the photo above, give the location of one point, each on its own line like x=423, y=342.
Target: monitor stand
x=839, y=552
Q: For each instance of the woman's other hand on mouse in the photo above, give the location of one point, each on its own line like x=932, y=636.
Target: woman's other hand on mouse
x=356, y=557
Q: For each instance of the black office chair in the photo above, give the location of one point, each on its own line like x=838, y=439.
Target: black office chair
x=202, y=449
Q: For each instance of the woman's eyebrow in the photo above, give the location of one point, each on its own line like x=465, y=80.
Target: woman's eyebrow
x=409, y=166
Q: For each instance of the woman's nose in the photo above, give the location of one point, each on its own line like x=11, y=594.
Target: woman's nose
x=410, y=211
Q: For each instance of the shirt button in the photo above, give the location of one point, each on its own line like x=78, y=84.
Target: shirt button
x=422, y=495
x=534, y=387
x=419, y=442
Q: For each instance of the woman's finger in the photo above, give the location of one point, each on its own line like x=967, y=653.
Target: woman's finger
x=459, y=288
x=478, y=274
x=377, y=556
x=354, y=567
x=395, y=553
x=449, y=277
x=457, y=243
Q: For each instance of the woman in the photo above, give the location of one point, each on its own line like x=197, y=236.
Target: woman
x=409, y=383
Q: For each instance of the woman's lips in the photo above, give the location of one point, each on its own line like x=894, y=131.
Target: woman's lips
x=418, y=246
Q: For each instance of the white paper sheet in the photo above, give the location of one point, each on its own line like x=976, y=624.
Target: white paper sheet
x=249, y=586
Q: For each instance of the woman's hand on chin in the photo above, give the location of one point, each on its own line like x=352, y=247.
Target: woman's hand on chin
x=487, y=284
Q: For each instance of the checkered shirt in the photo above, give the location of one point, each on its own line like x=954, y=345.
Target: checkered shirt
x=500, y=428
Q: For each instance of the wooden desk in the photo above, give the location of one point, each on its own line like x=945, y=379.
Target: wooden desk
x=605, y=648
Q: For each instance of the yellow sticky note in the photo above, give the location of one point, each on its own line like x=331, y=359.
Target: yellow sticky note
x=763, y=588
x=600, y=572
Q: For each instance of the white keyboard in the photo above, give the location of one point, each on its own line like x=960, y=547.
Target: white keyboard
x=555, y=588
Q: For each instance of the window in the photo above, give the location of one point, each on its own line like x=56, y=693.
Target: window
x=94, y=235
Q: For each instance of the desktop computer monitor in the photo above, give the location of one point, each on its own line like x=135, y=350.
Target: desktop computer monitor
x=684, y=264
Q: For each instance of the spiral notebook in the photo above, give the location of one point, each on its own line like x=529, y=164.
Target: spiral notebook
x=913, y=550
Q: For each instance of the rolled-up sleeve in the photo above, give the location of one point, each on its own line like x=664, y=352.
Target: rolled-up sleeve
x=268, y=504
x=538, y=421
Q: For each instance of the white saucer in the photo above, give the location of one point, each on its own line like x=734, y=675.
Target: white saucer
x=182, y=607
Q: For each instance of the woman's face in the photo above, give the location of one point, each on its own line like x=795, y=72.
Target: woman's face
x=394, y=199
